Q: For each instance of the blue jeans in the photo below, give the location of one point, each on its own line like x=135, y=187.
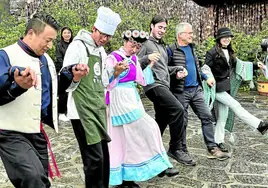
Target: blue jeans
x=194, y=97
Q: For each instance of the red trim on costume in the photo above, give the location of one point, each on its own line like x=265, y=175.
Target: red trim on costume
x=50, y=172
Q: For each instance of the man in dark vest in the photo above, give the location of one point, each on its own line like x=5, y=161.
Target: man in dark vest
x=188, y=88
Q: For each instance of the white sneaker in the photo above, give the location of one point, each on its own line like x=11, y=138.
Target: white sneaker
x=62, y=117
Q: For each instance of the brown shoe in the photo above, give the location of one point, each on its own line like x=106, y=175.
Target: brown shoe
x=216, y=153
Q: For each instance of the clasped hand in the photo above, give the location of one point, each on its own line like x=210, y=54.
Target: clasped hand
x=79, y=71
x=261, y=65
x=154, y=57
x=120, y=67
x=210, y=82
x=181, y=74
x=26, y=78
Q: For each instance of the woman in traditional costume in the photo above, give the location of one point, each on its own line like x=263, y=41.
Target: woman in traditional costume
x=136, y=150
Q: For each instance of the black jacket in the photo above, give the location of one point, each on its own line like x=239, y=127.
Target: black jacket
x=220, y=68
x=61, y=48
x=178, y=58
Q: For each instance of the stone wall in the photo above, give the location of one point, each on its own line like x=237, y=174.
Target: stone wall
x=23, y=8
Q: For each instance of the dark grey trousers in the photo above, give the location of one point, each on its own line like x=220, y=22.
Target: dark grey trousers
x=25, y=158
x=194, y=97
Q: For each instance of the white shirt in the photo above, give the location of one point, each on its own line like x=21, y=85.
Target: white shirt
x=226, y=53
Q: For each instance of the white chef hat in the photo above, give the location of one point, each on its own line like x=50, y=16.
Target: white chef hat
x=107, y=20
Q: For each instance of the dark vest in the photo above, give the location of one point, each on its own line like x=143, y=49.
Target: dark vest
x=177, y=58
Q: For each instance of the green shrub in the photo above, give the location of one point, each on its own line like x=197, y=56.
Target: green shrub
x=202, y=48
x=10, y=29
x=78, y=14
x=4, y=4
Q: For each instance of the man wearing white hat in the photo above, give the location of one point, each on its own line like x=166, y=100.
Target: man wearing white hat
x=86, y=108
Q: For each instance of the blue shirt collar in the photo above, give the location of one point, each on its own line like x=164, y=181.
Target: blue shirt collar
x=26, y=48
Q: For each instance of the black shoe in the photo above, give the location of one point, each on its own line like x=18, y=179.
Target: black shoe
x=162, y=174
x=169, y=172
x=263, y=127
x=222, y=147
x=182, y=157
x=129, y=184
x=134, y=185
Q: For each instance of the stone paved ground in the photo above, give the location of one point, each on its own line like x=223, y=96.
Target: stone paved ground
x=248, y=167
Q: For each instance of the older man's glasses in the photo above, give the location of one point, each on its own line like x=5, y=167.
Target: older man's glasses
x=188, y=33
x=135, y=43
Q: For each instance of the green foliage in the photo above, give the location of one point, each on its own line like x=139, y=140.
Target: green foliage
x=3, y=5
x=203, y=48
x=82, y=14
x=246, y=46
x=170, y=36
x=10, y=29
x=78, y=14
x=260, y=76
x=244, y=87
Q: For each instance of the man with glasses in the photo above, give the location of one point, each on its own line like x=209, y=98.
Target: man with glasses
x=187, y=88
x=83, y=66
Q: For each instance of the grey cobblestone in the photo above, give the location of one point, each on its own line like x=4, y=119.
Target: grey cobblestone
x=248, y=167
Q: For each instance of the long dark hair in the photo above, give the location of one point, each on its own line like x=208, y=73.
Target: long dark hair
x=64, y=28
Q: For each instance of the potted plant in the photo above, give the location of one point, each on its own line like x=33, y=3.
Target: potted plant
x=262, y=84
x=262, y=79
x=262, y=75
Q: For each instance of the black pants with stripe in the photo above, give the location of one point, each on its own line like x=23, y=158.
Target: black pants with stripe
x=95, y=158
x=25, y=158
